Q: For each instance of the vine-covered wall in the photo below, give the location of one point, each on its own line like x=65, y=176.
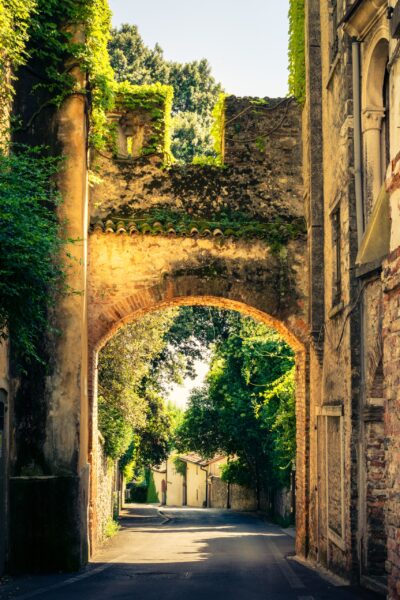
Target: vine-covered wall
x=297, y=68
x=254, y=194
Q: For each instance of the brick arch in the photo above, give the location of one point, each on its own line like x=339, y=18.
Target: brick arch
x=137, y=306
x=188, y=290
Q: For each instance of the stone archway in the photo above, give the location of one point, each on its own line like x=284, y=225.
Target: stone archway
x=132, y=276
x=188, y=234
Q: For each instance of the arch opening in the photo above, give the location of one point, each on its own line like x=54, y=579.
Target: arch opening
x=292, y=339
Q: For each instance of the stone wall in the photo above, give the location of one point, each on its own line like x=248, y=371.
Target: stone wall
x=391, y=333
x=242, y=498
x=105, y=497
x=217, y=493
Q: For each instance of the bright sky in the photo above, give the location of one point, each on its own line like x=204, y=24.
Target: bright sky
x=244, y=41
x=180, y=393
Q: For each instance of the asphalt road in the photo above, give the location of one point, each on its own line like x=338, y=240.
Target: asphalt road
x=188, y=554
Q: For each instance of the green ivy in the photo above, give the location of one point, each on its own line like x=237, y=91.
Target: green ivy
x=297, y=67
x=180, y=466
x=68, y=33
x=56, y=36
x=31, y=240
x=14, y=22
x=156, y=99
x=218, y=135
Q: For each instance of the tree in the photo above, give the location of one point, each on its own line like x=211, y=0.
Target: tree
x=191, y=136
x=195, y=89
x=133, y=61
x=127, y=407
x=239, y=411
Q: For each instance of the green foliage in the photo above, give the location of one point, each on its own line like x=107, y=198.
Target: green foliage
x=56, y=37
x=152, y=496
x=180, y=466
x=157, y=99
x=139, y=493
x=14, y=22
x=96, y=61
x=133, y=61
x=126, y=407
x=32, y=269
x=195, y=89
x=297, y=67
x=237, y=471
x=239, y=411
x=190, y=135
x=215, y=158
x=111, y=528
x=279, y=418
x=218, y=128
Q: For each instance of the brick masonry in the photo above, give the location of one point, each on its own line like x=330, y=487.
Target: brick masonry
x=391, y=336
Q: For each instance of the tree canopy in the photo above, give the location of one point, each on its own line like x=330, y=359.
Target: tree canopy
x=246, y=407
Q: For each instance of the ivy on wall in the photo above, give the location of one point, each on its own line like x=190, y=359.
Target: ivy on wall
x=30, y=239
x=297, y=67
x=156, y=99
x=14, y=22
x=68, y=34
x=218, y=135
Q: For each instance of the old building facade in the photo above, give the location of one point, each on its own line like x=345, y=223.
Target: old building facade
x=351, y=151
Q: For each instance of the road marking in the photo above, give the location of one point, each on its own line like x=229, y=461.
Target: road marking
x=305, y=598
x=293, y=580
x=166, y=518
x=72, y=580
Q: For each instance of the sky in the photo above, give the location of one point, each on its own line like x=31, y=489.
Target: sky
x=245, y=41
x=179, y=394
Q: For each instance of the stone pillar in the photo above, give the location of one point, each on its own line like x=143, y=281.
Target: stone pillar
x=372, y=127
x=49, y=483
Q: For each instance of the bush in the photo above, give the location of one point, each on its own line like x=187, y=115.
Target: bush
x=112, y=527
x=139, y=493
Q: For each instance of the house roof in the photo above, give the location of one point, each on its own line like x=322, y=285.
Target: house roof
x=160, y=468
x=196, y=459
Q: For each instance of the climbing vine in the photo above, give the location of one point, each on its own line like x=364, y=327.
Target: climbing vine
x=217, y=133
x=14, y=22
x=68, y=34
x=31, y=241
x=156, y=99
x=297, y=68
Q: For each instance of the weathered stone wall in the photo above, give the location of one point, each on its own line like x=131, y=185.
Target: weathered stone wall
x=105, y=492
x=391, y=341
x=261, y=178
x=391, y=336
x=242, y=498
x=217, y=493
x=48, y=406
x=351, y=472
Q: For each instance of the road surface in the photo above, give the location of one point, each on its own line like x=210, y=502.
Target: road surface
x=189, y=554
